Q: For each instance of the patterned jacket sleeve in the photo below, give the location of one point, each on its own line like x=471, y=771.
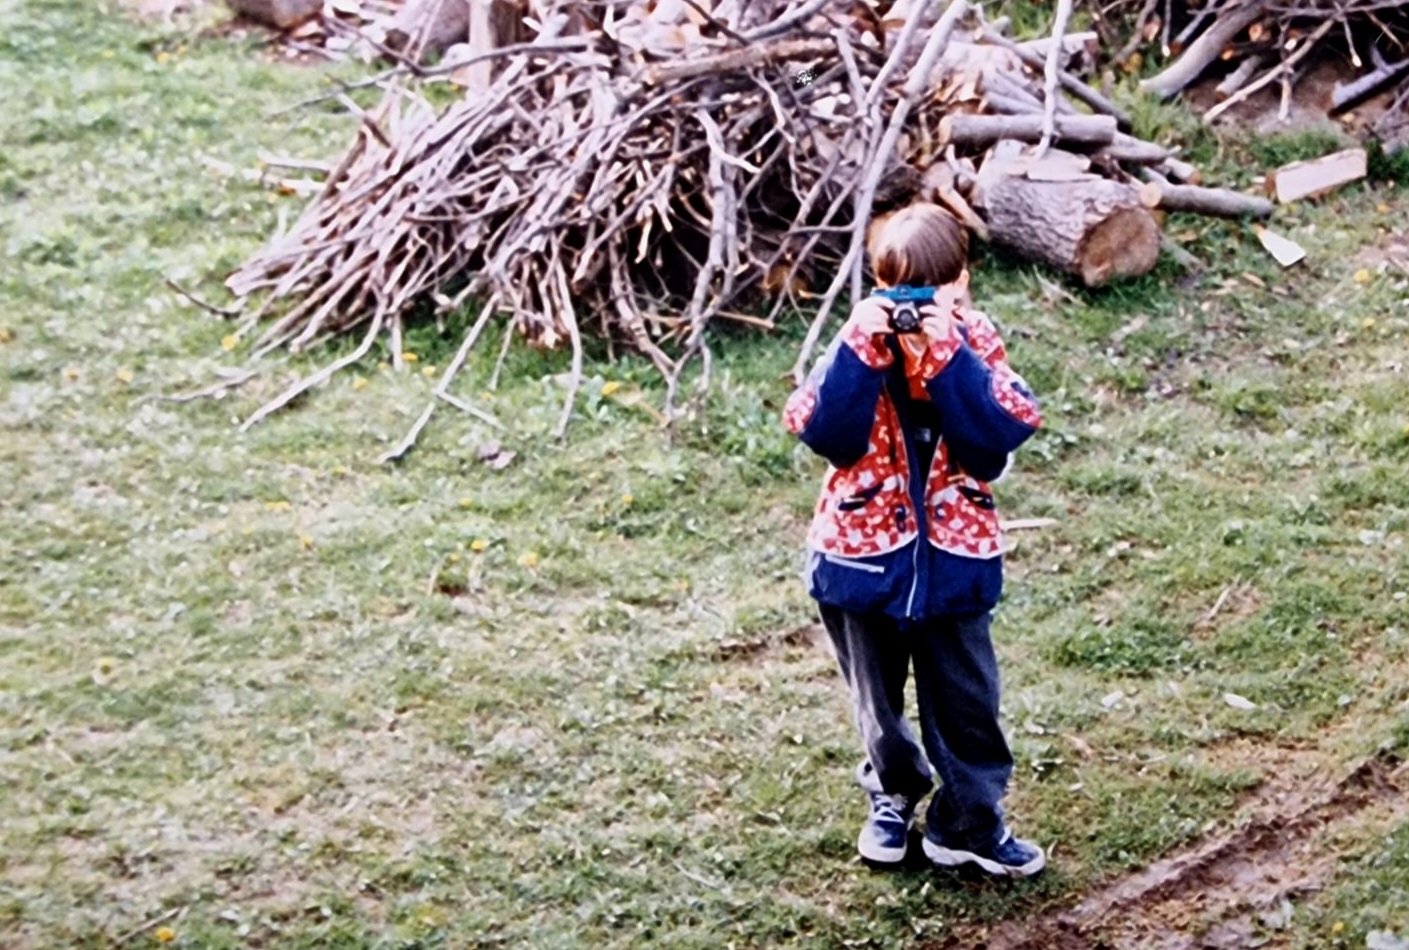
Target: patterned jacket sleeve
x=835, y=408
x=988, y=409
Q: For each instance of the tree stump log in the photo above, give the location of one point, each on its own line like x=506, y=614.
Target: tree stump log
x=280, y=14
x=423, y=29
x=1096, y=229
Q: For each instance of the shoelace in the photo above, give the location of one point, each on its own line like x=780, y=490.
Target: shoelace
x=888, y=807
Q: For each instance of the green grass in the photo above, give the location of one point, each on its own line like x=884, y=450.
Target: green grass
x=300, y=699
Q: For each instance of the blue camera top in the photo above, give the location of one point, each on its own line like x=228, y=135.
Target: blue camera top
x=905, y=315
x=904, y=293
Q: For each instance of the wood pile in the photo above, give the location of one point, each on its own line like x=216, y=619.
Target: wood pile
x=640, y=171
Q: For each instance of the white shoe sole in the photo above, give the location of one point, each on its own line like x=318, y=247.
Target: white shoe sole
x=941, y=856
x=881, y=855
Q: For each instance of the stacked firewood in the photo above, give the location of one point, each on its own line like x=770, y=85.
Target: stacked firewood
x=639, y=171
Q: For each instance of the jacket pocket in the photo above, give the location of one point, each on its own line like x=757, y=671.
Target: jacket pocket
x=855, y=565
x=858, y=500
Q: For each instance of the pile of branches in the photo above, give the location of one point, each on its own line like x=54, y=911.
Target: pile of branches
x=638, y=171
x=1253, y=45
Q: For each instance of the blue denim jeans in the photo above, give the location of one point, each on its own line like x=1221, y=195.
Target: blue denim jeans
x=956, y=690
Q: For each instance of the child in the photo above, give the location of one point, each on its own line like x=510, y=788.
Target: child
x=904, y=552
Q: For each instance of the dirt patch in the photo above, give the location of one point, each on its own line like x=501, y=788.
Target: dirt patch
x=1212, y=895
x=1308, y=109
x=811, y=636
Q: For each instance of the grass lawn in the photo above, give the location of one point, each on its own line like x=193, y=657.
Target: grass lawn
x=258, y=691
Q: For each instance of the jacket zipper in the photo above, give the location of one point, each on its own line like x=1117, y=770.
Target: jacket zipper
x=921, y=514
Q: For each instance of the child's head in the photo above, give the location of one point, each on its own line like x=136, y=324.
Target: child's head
x=921, y=245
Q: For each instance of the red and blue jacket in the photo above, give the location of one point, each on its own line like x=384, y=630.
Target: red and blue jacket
x=906, y=523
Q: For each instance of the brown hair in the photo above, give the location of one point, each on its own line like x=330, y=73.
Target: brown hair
x=921, y=244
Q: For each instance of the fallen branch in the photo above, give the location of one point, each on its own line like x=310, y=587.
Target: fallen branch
x=1231, y=20
x=1052, y=76
x=1157, y=192
x=981, y=131
x=738, y=59
x=1349, y=95
x=226, y=312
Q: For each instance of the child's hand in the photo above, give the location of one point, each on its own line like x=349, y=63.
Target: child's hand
x=937, y=318
x=871, y=316
x=936, y=322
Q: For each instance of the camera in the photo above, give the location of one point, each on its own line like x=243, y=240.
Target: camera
x=905, y=315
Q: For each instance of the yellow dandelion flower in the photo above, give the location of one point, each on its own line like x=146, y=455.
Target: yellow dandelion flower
x=164, y=935
x=409, y=357
x=1337, y=927
x=1368, y=323
x=229, y=342
x=1362, y=276
x=610, y=387
x=1382, y=208
x=627, y=499
x=124, y=376
x=478, y=545
x=467, y=502
x=339, y=469
x=454, y=557
x=360, y=383
x=428, y=372
x=528, y=559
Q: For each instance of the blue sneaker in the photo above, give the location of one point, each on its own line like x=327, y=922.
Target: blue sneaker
x=885, y=836
x=1010, y=857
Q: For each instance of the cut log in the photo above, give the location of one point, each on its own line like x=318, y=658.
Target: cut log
x=280, y=14
x=1096, y=229
x=1070, y=83
x=1003, y=84
x=426, y=28
x=1183, y=172
x=1005, y=105
x=1204, y=50
x=1216, y=202
x=1348, y=95
x=1311, y=179
x=1241, y=76
x=982, y=131
x=1127, y=148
